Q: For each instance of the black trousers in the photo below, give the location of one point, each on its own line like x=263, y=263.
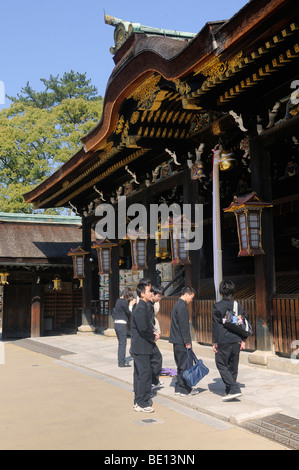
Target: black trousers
x=121, y=333
x=227, y=362
x=180, y=357
x=142, y=379
x=156, y=363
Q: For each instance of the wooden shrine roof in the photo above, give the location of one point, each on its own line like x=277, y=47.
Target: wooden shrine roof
x=38, y=239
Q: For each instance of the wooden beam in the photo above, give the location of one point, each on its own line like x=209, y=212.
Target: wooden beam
x=282, y=130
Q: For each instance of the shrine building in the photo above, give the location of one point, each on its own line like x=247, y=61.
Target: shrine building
x=206, y=120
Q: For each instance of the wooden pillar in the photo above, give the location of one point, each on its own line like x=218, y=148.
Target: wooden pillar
x=113, y=282
x=264, y=264
x=190, y=196
x=150, y=272
x=87, y=281
x=36, y=308
x=192, y=270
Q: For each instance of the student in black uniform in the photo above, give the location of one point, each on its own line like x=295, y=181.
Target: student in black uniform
x=142, y=343
x=122, y=314
x=227, y=345
x=156, y=360
x=181, y=339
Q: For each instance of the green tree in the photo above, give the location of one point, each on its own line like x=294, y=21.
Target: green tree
x=42, y=130
x=71, y=85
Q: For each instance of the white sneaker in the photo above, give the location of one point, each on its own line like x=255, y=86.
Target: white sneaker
x=231, y=396
x=192, y=393
x=146, y=409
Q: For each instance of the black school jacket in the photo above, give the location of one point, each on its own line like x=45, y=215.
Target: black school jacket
x=122, y=311
x=179, y=327
x=142, y=335
x=220, y=334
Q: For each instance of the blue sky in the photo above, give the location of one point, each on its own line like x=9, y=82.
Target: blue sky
x=43, y=37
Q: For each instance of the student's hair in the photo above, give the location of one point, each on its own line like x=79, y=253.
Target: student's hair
x=157, y=290
x=141, y=288
x=146, y=281
x=227, y=289
x=187, y=290
x=128, y=293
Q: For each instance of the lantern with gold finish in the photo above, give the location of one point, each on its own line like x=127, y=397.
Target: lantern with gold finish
x=248, y=212
x=161, y=244
x=3, y=278
x=78, y=256
x=179, y=237
x=57, y=282
x=103, y=248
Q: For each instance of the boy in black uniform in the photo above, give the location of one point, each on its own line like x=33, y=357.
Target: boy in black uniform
x=227, y=345
x=156, y=360
x=142, y=343
x=181, y=339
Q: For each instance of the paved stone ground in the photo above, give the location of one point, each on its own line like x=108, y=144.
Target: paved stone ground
x=277, y=427
x=269, y=404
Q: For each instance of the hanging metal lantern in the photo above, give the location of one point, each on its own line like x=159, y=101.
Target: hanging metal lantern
x=162, y=250
x=138, y=241
x=57, y=282
x=78, y=256
x=180, y=228
x=103, y=248
x=3, y=278
x=248, y=211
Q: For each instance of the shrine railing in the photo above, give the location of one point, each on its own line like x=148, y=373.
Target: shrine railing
x=285, y=322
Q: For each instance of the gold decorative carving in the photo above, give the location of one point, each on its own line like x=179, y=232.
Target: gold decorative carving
x=134, y=117
x=125, y=132
x=120, y=125
x=181, y=87
x=200, y=121
x=219, y=68
x=131, y=141
x=146, y=92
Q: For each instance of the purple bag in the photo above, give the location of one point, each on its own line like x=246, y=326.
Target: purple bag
x=170, y=372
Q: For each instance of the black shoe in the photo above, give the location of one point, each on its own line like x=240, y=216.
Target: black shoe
x=124, y=365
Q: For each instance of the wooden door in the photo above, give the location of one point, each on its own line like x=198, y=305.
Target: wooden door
x=17, y=311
